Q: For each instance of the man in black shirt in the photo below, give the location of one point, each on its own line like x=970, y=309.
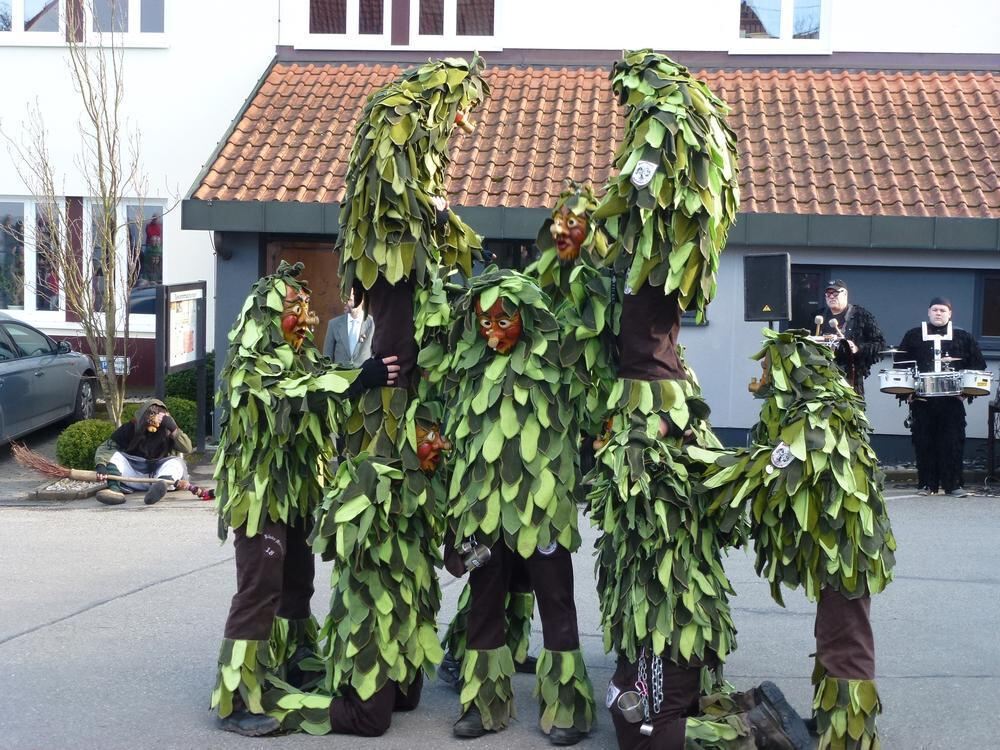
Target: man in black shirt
x=938, y=422
x=861, y=340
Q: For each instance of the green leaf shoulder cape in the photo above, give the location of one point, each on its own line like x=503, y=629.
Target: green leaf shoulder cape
x=513, y=466
x=388, y=225
x=279, y=410
x=821, y=520
x=675, y=193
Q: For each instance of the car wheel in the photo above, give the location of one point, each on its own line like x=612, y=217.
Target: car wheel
x=86, y=400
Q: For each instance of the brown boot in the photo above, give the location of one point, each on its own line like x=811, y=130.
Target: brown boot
x=769, y=733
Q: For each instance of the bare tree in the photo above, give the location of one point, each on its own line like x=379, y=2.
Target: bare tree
x=96, y=281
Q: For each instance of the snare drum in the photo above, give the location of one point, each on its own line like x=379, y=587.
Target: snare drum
x=896, y=381
x=976, y=382
x=931, y=384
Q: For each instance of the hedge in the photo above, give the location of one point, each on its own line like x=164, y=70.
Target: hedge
x=76, y=444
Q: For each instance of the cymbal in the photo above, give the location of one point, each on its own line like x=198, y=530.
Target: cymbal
x=893, y=351
x=951, y=359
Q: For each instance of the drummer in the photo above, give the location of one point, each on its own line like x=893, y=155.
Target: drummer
x=937, y=423
x=860, y=338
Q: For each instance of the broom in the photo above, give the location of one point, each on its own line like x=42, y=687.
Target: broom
x=29, y=459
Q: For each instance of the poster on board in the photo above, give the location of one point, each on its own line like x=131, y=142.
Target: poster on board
x=182, y=315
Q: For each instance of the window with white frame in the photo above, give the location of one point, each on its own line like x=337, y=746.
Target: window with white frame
x=30, y=16
x=460, y=23
x=348, y=17
x=11, y=255
x=769, y=24
x=138, y=252
x=36, y=20
x=125, y=16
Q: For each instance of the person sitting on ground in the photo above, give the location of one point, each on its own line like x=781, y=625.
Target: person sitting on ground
x=147, y=446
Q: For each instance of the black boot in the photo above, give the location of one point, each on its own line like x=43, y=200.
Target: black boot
x=774, y=724
x=566, y=736
x=528, y=666
x=470, y=725
x=450, y=672
x=157, y=490
x=248, y=724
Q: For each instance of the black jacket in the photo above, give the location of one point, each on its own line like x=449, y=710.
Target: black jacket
x=962, y=345
x=857, y=325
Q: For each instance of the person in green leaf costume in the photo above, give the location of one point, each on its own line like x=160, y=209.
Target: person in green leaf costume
x=813, y=488
x=396, y=232
x=662, y=587
x=511, y=491
x=281, y=402
x=568, y=272
x=381, y=525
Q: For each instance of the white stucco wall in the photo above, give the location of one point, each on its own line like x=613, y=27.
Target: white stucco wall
x=917, y=26
x=181, y=96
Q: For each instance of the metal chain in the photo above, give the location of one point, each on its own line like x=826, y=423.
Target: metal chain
x=640, y=684
x=657, y=684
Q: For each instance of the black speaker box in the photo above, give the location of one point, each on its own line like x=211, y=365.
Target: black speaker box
x=767, y=287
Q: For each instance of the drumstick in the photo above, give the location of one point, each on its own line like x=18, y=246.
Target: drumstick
x=835, y=325
x=818, y=320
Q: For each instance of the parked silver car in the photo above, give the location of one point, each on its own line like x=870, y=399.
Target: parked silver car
x=41, y=380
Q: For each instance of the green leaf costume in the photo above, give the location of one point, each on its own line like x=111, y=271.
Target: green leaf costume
x=812, y=487
x=675, y=194
x=399, y=160
x=280, y=408
x=514, y=469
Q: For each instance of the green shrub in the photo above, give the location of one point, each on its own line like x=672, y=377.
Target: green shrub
x=76, y=444
x=184, y=383
x=184, y=412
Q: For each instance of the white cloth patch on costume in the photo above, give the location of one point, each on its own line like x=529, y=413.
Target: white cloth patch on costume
x=643, y=173
x=547, y=550
x=782, y=456
x=613, y=692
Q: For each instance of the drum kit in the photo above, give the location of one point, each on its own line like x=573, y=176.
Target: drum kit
x=947, y=382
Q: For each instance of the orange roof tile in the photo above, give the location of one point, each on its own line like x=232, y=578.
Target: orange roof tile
x=850, y=142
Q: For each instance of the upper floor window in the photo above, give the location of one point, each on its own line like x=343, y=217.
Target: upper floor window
x=29, y=16
x=127, y=16
x=34, y=21
x=347, y=17
x=454, y=21
x=783, y=25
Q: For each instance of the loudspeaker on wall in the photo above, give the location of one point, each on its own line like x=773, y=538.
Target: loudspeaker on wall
x=767, y=287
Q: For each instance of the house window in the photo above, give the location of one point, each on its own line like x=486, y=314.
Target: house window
x=145, y=235
x=431, y=17
x=370, y=16
x=347, y=17
x=475, y=18
x=29, y=15
x=46, y=247
x=781, y=19
x=127, y=16
x=11, y=256
x=328, y=16
x=991, y=306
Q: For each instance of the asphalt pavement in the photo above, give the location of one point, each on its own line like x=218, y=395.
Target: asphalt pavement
x=112, y=618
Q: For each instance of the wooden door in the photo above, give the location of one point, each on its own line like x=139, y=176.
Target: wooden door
x=321, y=276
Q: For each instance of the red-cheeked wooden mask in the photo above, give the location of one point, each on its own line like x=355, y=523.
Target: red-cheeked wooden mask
x=297, y=321
x=501, y=329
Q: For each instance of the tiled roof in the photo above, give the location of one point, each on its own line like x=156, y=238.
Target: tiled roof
x=852, y=143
